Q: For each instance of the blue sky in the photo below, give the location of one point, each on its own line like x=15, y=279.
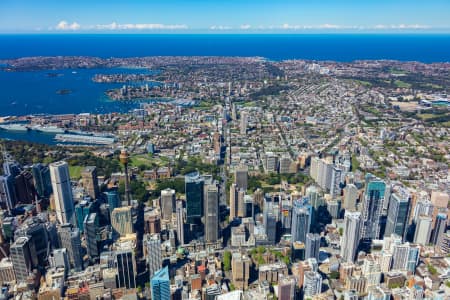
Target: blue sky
x=42, y=16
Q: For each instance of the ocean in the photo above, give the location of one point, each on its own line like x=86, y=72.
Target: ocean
x=339, y=47
x=23, y=93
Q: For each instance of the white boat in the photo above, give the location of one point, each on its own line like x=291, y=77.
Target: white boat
x=49, y=129
x=14, y=127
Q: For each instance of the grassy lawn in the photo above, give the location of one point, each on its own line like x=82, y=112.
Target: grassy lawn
x=75, y=172
x=402, y=84
x=141, y=159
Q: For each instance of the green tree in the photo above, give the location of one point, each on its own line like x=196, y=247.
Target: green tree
x=227, y=260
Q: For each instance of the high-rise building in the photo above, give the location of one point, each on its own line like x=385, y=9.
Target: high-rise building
x=194, y=197
x=312, y=246
x=126, y=268
x=270, y=220
x=62, y=192
x=312, y=284
x=7, y=191
x=301, y=221
x=153, y=253
x=160, y=285
x=90, y=181
x=372, y=207
x=217, y=142
x=167, y=203
x=211, y=212
x=285, y=164
x=82, y=210
x=350, y=240
x=398, y=213
x=423, y=230
x=335, y=183
x=90, y=232
x=113, y=199
x=440, y=228
x=350, y=197
x=271, y=162
x=42, y=181
x=286, y=288
x=121, y=220
x=60, y=258
x=240, y=269
x=234, y=201
x=21, y=258
x=241, y=177
x=25, y=190
x=70, y=239
x=35, y=229
x=243, y=124
x=180, y=222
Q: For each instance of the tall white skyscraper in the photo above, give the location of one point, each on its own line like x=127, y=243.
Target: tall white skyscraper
x=180, y=222
x=153, y=247
x=312, y=283
x=167, y=203
x=62, y=192
x=244, y=120
x=423, y=230
x=351, y=236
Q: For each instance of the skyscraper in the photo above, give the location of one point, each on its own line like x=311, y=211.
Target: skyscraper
x=7, y=191
x=301, y=221
x=234, y=198
x=112, y=197
x=350, y=240
x=372, y=207
x=62, y=192
x=21, y=258
x=286, y=288
x=82, y=210
x=350, y=197
x=398, y=213
x=241, y=176
x=240, y=268
x=440, y=228
x=312, y=284
x=194, y=197
x=70, y=239
x=243, y=124
x=153, y=253
x=90, y=181
x=423, y=230
x=180, y=222
x=121, y=220
x=167, y=203
x=25, y=190
x=312, y=246
x=126, y=268
x=42, y=181
x=160, y=285
x=90, y=233
x=335, y=183
x=211, y=212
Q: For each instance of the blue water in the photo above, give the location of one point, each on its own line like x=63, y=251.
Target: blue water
x=24, y=93
x=338, y=47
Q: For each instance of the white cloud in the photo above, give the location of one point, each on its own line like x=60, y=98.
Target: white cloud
x=139, y=26
x=64, y=25
x=245, y=26
x=220, y=27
